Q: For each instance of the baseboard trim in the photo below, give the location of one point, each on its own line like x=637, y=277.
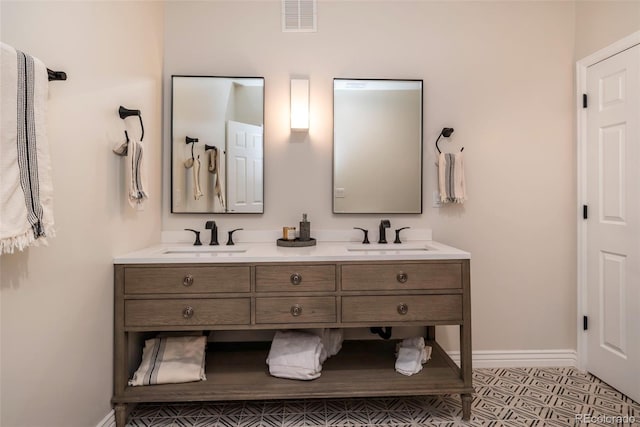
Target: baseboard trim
x=109, y=420
x=520, y=358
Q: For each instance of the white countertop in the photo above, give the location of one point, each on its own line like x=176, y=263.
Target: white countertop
x=172, y=253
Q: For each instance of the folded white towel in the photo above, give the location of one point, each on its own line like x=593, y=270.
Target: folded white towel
x=295, y=355
x=416, y=342
x=451, y=182
x=171, y=360
x=409, y=361
x=332, y=341
x=26, y=189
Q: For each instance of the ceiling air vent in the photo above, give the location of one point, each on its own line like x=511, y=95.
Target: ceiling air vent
x=299, y=16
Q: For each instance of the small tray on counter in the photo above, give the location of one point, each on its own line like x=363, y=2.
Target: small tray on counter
x=297, y=243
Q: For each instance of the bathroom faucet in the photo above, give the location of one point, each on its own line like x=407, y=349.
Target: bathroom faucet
x=230, y=241
x=384, y=224
x=211, y=225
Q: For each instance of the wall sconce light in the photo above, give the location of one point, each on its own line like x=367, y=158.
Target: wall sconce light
x=300, y=105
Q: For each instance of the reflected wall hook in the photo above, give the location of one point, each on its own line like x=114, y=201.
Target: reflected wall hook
x=125, y=112
x=192, y=141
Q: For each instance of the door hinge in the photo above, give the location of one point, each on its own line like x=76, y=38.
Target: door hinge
x=584, y=100
x=585, y=211
x=585, y=323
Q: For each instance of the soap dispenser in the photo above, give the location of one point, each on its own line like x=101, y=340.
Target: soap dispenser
x=305, y=229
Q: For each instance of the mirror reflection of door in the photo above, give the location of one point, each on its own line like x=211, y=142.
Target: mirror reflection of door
x=244, y=154
x=204, y=173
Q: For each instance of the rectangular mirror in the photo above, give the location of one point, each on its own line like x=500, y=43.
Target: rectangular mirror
x=217, y=130
x=377, y=146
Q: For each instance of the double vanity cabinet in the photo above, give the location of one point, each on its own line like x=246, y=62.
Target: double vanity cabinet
x=264, y=287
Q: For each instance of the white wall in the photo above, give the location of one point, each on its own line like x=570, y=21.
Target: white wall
x=500, y=73
x=57, y=301
x=601, y=23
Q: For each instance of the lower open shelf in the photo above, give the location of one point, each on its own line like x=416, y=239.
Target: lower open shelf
x=360, y=369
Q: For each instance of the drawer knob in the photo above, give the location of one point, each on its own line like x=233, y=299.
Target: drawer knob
x=188, y=280
x=296, y=310
x=403, y=308
x=187, y=313
x=402, y=277
x=296, y=278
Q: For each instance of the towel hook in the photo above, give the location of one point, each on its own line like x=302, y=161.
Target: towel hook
x=210, y=147
x=446, y=132
x=125, y=112
x=192, y=141
x=56, y=75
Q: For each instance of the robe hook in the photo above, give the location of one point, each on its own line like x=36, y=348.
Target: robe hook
x=192, y=141
x=125, y=112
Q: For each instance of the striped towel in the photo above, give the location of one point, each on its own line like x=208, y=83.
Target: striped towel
x=26, y=189
x=214, y=168
x=451, y=178
x=135, y=171
x=168, y=360
x=136, y=174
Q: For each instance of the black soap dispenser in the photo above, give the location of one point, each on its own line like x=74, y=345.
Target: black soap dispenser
x=305, y=229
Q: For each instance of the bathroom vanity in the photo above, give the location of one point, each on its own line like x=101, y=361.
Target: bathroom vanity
x=264, y=287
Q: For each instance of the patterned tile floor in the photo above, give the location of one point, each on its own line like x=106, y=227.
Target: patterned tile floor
x=504, y=397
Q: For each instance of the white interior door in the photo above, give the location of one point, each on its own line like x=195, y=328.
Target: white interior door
x=244, y=167
x=613, y=226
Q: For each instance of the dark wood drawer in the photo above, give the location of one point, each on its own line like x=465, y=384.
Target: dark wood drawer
x=377, y=309
x=295, y=278
x=401, y=276
x=186, y=280
x=187, y=312
x=295, y=310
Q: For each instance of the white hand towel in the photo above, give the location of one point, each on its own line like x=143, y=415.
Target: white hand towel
x=197, y=192
x=409, y=361
x=451, y=182
x=214, y=168
x=295, y=355
x=171, y=360
x=136, y=174
x=26, y=189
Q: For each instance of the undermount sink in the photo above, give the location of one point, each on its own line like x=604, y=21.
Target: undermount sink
x=389, y=248
x=203, y=250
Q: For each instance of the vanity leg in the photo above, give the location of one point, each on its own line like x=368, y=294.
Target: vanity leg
x=466, y=406
x=121, y=414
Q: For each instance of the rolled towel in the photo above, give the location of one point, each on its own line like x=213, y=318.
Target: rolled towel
x=409, y=361
x=295, y=355
x=171, y=360
x=451, y=182
x=416, y=342
x=332, y=341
